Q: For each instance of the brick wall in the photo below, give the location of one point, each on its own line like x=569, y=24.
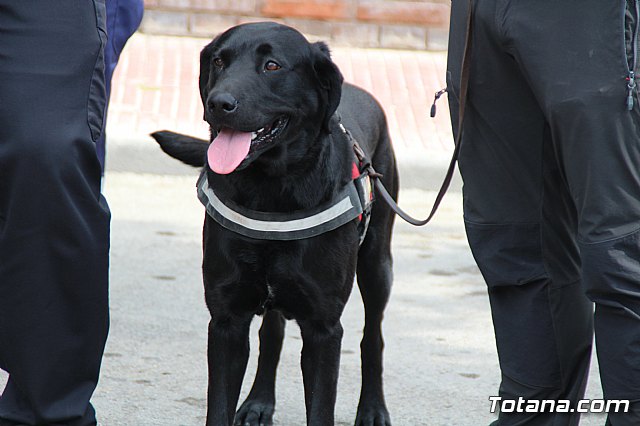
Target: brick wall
x=403, y=24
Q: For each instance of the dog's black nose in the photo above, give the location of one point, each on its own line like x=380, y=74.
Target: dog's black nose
x=222, y=103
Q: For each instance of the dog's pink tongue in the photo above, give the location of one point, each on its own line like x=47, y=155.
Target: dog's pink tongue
x=227, y=150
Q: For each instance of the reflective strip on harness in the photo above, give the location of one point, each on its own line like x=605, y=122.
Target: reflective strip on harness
x=348, y=205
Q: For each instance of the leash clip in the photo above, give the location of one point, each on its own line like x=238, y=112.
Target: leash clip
x=364, y=162
x=435, y=99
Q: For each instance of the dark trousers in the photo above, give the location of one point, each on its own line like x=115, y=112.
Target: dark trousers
x=54, y=223
x=123, y=19
x=550, y=160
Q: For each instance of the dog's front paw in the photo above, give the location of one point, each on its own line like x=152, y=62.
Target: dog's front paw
x=373, y=415
x=255, y=412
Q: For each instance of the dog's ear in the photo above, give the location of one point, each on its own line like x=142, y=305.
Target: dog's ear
x=205, y=71
x=330, y=80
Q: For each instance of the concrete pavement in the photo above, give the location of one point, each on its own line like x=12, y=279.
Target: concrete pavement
x=440, y=359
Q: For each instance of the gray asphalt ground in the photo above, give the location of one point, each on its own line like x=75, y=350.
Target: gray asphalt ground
x=440, y=358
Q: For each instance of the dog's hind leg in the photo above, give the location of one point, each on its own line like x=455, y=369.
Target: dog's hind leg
x=258, y=408
x=228, y=353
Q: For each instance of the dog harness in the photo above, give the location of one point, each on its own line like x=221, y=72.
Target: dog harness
x=352, y=202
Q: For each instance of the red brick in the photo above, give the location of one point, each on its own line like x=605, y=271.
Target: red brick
x=227, y=6
x=162, y=22
x=253, y=19
x=312, y=29
x=403, y=37
x=356, y=34
x=316, y=9
x=405, y=12
x=174, y=4
x=437, y=38
x=209, y=24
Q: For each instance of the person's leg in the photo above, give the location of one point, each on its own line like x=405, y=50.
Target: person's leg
x=123, y=19
x=582, y=88
x=520, y=225
x=54, y=223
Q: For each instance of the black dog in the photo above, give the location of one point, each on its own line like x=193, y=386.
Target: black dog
x=279, y=156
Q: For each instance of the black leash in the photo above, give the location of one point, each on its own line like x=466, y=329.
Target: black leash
x=464, y=85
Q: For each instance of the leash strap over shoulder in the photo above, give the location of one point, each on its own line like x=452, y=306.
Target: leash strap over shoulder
x=464, y=85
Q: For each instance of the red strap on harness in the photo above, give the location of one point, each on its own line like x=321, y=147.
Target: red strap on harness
x=355, y=171
x=355, y=174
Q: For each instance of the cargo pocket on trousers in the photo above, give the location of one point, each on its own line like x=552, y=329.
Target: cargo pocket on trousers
x=97, y=91
x=507, y=254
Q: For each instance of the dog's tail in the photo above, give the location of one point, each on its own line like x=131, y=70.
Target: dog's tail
x=189, y=150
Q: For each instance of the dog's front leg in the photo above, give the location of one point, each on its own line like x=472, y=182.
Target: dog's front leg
x=321, y=343
x=228, y=353
x=259, y=406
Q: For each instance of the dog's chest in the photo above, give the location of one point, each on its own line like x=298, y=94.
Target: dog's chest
x=294, y=277
x=274, y=264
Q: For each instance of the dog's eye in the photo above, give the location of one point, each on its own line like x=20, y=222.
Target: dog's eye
x=271, y=66
x=218, y=62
